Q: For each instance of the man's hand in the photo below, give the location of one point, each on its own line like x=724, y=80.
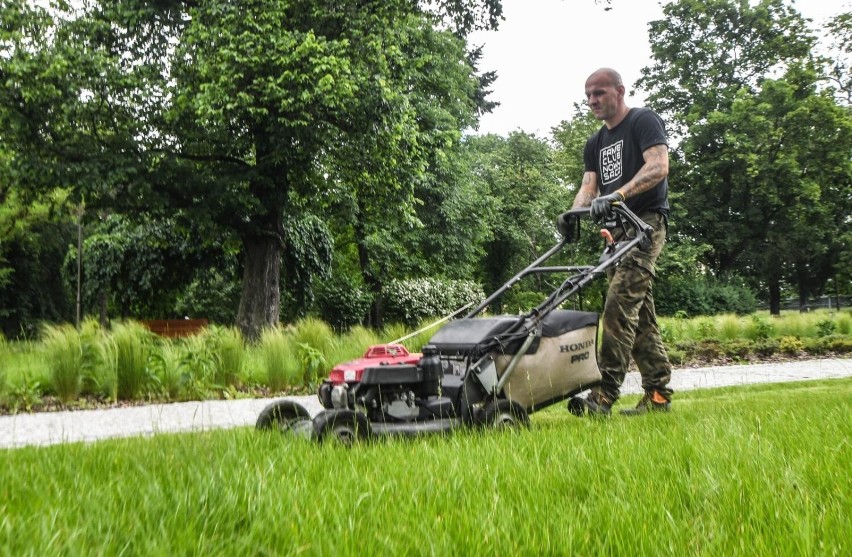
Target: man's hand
x=602, y=206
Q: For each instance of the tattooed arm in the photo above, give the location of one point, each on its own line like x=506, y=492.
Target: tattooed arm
x=588, y=190
x=656, y=168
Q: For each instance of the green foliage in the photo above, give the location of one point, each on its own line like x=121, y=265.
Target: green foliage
x=764, y=155
x=342, y=301
x=844, y=323
x=213, y=294
x=128, y=351
x=519, y=172
x=35, y=236
x=168, y=366
x=838, y=344
x=701, y=295
x=280, y=359
x=64, y=353
x=25, y=394
x=825, y=327
x=790, y=345
x=227, y=352
x=307, y=257
x=760, y=329
x=313, y=339
x=412, y=301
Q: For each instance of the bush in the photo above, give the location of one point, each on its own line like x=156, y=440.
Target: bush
x=791, y=345
x=766, y=347
x=814, y=346
x=738, y=349
x=342, y=301
x=708, y=349
x=702, y=295
x=759, y=329
x=677, y=357
x=412, y=301
x=838, y=343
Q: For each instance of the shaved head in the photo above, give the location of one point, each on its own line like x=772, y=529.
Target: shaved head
x=607, y=75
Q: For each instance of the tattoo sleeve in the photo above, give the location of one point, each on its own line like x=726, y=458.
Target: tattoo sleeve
x=587, y=192
x=656, y=168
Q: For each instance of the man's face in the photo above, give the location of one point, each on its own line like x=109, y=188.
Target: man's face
x=603, y=97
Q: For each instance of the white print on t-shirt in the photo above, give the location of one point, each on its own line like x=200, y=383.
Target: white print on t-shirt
x=612, y=162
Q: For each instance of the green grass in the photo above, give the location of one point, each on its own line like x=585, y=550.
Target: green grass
x=740, y=471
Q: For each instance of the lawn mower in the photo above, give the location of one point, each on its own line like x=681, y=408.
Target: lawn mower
x=476, y=370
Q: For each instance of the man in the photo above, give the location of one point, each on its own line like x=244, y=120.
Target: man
x=627, y=161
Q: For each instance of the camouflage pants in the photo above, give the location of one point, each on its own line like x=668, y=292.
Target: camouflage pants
x=629, y=320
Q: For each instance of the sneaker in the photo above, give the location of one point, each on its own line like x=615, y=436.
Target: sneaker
x=598, y=405
x=652, y=401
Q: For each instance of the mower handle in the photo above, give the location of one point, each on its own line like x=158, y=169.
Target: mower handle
x=619, y=208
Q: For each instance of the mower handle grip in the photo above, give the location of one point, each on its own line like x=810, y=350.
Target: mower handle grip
x=642, y=228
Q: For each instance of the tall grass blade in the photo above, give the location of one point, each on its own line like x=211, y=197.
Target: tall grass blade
x=64, y=354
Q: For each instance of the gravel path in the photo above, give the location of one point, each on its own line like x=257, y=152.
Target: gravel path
x=90, y=425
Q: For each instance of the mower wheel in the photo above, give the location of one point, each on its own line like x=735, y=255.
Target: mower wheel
x=346, y=427
x=286, y=416
x=577, y=406
x=505, y=413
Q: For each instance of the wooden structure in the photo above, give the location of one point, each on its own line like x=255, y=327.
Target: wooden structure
x=176, y=328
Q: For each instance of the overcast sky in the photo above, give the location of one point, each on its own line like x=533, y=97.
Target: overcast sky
x=544, y=50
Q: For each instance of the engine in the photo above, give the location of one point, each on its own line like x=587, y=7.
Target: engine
x=385, y=401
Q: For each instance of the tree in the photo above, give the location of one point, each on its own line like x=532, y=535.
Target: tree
x=34, y=237
x=520, y=174
x=705, y=52
x=231, y=113
x=761, y=155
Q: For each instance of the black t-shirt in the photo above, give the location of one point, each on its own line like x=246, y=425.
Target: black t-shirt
x=616, y=156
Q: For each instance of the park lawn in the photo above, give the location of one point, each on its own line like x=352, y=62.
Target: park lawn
x=760, y=470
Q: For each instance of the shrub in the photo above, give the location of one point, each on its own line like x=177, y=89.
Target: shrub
x=738, y=349
x=825, y=327
x=677, y=357
x=702, y=295
x=412, y=301
x=708, y=349
x=313, y=339
x=814, y=346
x=766, y=347
x=837, y=343
x=729, y=327
x=790, y=345
x=843, y=323
x=342, y=301
x=758, y=329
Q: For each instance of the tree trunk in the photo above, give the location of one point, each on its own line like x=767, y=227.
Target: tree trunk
x=774, y=297
x=260, y=302
x=376, y=316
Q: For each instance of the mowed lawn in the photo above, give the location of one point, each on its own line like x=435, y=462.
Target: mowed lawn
x=761, y=470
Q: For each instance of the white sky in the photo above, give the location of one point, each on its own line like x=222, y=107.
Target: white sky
x=544, y=50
